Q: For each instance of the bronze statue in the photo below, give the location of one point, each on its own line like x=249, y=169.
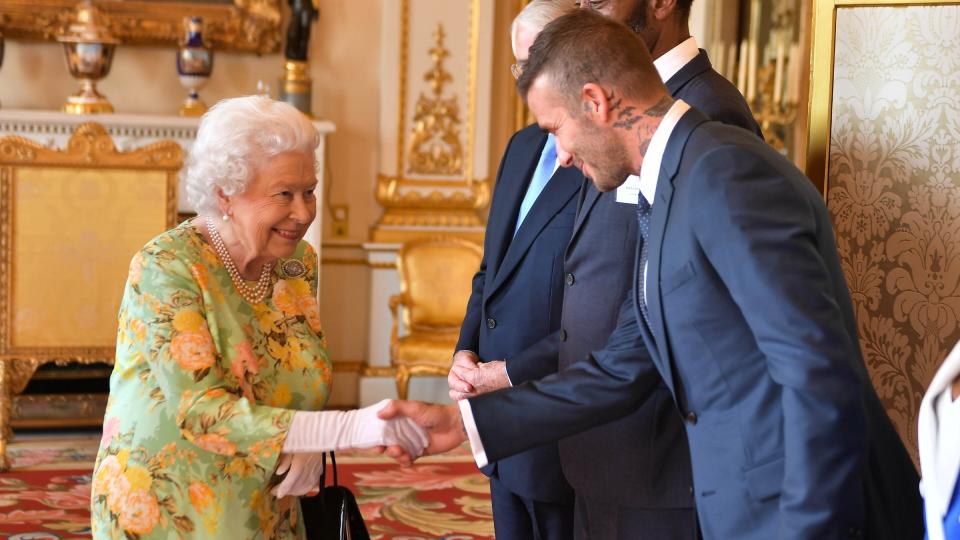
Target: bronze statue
x=302, y=15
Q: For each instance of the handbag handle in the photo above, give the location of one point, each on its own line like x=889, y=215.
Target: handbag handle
x=333, y=463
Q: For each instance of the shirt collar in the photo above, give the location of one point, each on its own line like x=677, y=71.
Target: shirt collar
x=673, y=60
x=650, y=169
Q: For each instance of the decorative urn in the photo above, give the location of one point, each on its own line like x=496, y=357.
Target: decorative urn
x=88, y=45
x=194, y=65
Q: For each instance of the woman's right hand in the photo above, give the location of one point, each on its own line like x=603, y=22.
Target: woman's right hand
x=339, y=430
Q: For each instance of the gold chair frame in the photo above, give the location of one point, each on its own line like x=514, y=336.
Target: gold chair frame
x=403, y=372
x=90, y=147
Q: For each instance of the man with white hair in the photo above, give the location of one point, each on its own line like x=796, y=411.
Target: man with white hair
x=517, y=298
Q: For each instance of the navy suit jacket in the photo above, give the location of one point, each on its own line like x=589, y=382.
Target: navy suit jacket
x=642, y=459
x=518, y=291
x=751, y=328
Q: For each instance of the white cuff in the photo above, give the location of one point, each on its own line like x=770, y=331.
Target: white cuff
x=470, y=426
x=507, y=373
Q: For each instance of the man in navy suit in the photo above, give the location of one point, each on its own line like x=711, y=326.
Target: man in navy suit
x=631, y=477
x=517, y=296
x=739, y=306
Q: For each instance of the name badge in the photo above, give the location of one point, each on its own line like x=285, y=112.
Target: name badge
x=629, y=192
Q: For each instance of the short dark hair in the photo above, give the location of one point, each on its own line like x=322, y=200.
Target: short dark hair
x=583, y=47
x=684, y=7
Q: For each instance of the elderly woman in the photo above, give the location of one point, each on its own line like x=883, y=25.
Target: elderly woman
x=221, y=360
x=940, y=450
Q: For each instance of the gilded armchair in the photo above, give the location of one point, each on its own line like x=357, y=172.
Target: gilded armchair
x=435, y=283
x=70, y=221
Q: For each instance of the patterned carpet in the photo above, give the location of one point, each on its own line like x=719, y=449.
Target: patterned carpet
x=46, y=495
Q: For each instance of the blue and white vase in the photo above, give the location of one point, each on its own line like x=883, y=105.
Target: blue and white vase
x=194, y=65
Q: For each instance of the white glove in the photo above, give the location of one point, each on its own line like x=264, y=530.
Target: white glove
x=303, y=474
x=324, y=431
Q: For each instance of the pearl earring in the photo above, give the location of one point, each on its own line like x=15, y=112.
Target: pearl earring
x=226, y=217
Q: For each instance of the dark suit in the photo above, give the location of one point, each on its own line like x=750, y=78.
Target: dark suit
x=517, y=297
x=751, y=328
x=640, y=462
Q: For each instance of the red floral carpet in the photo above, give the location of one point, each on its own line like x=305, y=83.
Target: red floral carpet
x=47, y=494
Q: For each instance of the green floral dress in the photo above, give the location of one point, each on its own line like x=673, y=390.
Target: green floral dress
x=202, y=394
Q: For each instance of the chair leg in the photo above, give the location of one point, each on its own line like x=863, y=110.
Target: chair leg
x=6, y=396
x=403, y=382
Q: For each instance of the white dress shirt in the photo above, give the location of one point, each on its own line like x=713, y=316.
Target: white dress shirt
x=649, y=173
x=667, y=66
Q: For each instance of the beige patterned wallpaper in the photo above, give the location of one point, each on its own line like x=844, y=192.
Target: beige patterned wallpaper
x=894, y=192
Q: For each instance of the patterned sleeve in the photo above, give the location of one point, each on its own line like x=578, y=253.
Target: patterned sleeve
x=186, y=377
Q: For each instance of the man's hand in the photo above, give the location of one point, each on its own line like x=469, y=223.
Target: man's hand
x=442, y=423
x=462, y=361
x=484, y=377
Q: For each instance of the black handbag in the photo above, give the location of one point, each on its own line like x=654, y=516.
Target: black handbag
x=333, y=514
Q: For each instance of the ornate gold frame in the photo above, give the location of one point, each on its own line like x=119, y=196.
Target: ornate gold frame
x=89, y=147
x=244, y=26
x=821, y=78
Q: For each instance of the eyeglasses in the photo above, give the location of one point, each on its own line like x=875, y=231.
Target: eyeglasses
x=517, y=69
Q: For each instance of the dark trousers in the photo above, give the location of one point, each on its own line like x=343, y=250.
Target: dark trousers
x=519, y=518
x=603, y=520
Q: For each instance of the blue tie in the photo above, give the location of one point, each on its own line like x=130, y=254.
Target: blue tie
x=548, y=161
x=643, y=223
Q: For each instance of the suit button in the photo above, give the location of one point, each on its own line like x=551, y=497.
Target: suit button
x=692, y=418
x=491, y=323
x=563, y=335
x=570, y=279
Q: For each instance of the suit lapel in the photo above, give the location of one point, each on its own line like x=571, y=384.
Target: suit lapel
x=515, y=177
x=698, y=65
x=661, y=213
x=589, y=197
x=563, y=185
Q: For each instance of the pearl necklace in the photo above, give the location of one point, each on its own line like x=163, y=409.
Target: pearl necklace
x=253, y=294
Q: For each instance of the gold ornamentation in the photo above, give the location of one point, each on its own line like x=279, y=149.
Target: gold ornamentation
x=245, y=26
x=772, y=116
x=90, y=147
x=435, y=144
x=450, y=206
x=89, y=48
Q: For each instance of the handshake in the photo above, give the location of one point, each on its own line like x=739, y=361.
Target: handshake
x=402, y=430
x=312, y=433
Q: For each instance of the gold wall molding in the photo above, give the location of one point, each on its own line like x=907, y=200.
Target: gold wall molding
x=356, y=262
x=349, y=366
x=379, y=371
x=243, y=26
x=341, y=261
x=435, y=147
x=436, y=185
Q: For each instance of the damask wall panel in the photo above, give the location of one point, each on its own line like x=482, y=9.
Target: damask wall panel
x=893, y=190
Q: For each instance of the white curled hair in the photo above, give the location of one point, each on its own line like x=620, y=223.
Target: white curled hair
x=236, y=137
x=538, y=14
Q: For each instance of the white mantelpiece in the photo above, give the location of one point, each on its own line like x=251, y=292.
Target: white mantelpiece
x=53, y=129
